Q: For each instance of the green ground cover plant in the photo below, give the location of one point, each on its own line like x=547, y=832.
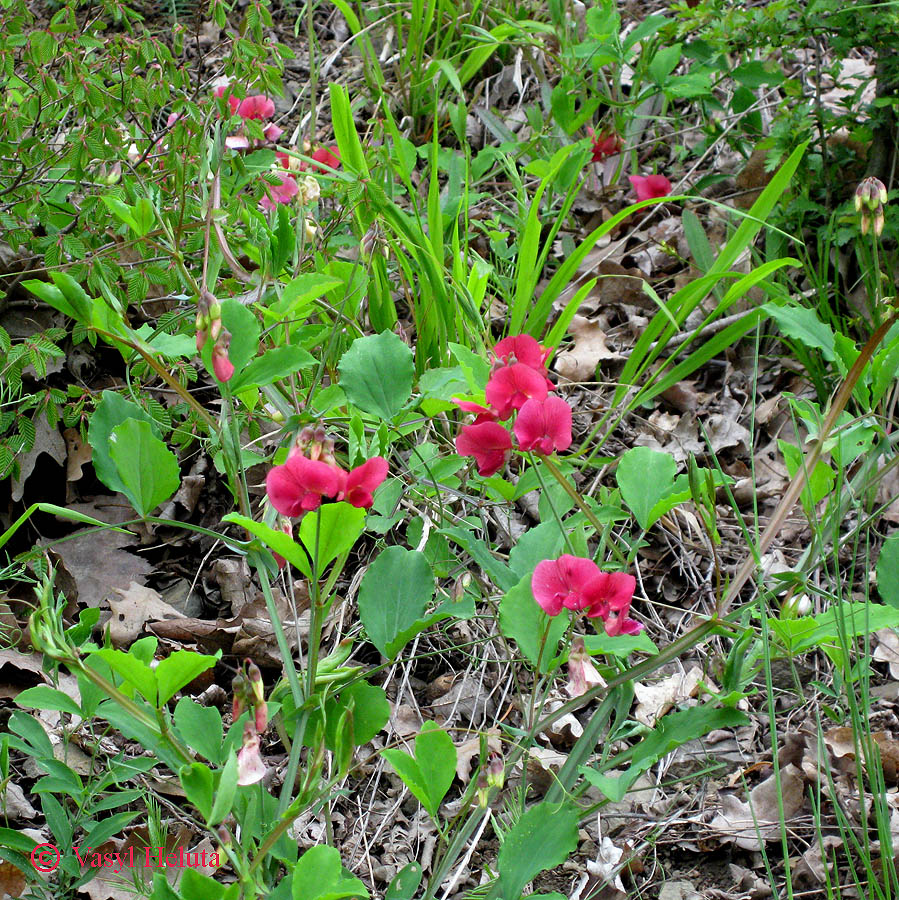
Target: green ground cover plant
x=317, y=301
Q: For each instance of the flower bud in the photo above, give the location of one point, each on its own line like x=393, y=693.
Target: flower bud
x=221, y=365
x=496, y=769
x=870, y=193
x=483, y=791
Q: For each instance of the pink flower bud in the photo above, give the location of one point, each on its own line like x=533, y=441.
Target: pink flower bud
x=250, y=767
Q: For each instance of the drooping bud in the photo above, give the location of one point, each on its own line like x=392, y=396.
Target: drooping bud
x=250, y=767
x=239, y=688
x=582, y=674
x=870, y=197
x=483, y=791
x=221, y=365
x=496, y=770
x=260, y=707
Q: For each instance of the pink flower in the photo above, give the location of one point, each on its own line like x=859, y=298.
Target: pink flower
x=272, y=132
x=489, y=443
x=326, y=159
x=564, y=582
x=650, y=186
x=363, y=481
x=606, y=144
x=279, y=193
x=582, y=674
x=482, y=413
x=509, y=387
x=173, y=117
x=237, y=142
x=257, y=106
x=250, y=767
x=233, y=102
x=544, y=425
x=283, y=158
x=621, y=624
x=524, y=349
x=299, y=484
x=610, y=592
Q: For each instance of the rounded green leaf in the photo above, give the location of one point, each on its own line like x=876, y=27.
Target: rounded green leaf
x=376, y=374
x=394, y=594
x=645, y=476
x=148, y=470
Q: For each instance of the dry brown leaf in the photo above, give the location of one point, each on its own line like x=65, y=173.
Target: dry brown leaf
x=99, y=565
x=654, y=700
x=737, y=820
x=12, y=881
x=888, y=650
x=841, y=744
x=46, y=440
x=15, y=805
x=136, y=606
x=78, y=453
x=580, y=362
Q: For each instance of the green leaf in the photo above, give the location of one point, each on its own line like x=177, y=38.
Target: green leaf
x=112, y=411
x=200, y=727
x=180, y=669
x=803, y=325
x=147, y=469
x=303, y=291
x=887, y=572
x=522, y=620
x=371, y=710
x=644, y=477
x=318, y=875
x=405, y=883
x=394, y=594
x=225, y=791
x=272, y=365
x=196, y=779
x=338, y=526
x=428, y=774
x=135, y=672
x=244, y=329
x=44, y=697
x=541, y=839
x=277, y=541
x=376, y=374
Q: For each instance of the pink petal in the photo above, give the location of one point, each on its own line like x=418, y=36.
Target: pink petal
x=279, y=193
x=250, y=767
x=509, y=387
x=650, y=186
x=364, y=480
x=299, y=484
x=544, y=425
x=272, y=132
x=525, y=349
x=237, y=142
x=256, y=107
x=560, y=582
x=488, y=442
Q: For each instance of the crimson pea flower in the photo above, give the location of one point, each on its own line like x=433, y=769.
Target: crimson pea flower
x=489, y=443
x=524, y=349
x=298, y=485
x=509, y=387
x=258, y=106
x=650, y=186
x=326, y=159
x=621, y=624
x=363, y=481
x=610, y=592
x=283, y=192
x=606, y=144
x=544, y=425
x=563, y=582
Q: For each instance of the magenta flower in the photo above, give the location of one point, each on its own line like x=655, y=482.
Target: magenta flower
x=524, y=349
x=272, y=132
x=299, y=484
x=650, y=186
x=606, y=144
x=324, y=159
x=509, y=387
x=257, y=106
x=250, y=767
x=578, y=584
x=544, y=425
x=489, y=443
x=363, y=481
x=283, y=192
x=563, y=583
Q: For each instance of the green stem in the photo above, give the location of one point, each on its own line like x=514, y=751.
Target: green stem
x=315, y=625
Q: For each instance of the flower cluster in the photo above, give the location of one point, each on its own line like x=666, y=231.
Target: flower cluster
x=311, y=473
x=518, y=383
x=870, y=197
x=578, y=584
x=248, y=694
